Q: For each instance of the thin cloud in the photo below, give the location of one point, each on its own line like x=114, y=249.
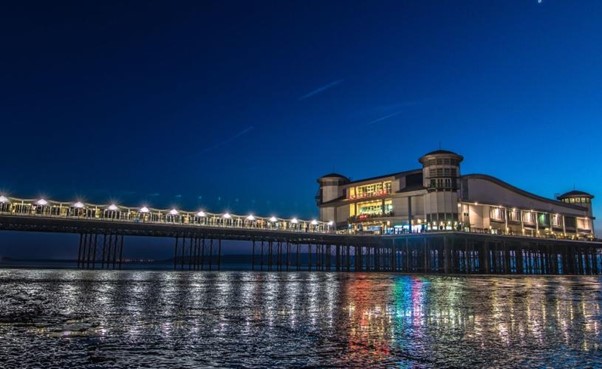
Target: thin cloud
x=229, y=140
x=320, y=89
x=398, y=110
x=384, y=118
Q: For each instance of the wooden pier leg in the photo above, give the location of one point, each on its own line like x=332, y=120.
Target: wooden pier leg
x=79, y=250
x=309, y=256
x=288, y=255
x=270, y=256
x=121, y=252
x=183, y=252
x=219, y=254
x=253, y=256
x=348, y=256
x=298, y=259
x=203, y=253
x=446, y=255
x=210, y=256
x=261, y=256
x=175, y=256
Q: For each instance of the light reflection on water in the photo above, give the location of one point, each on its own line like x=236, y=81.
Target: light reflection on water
x=70, y=318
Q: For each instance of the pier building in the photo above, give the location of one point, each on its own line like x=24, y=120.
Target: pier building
x=437, y=197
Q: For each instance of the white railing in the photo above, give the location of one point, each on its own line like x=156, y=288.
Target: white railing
x=114, y=212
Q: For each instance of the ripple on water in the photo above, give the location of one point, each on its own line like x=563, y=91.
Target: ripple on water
x=104, y=319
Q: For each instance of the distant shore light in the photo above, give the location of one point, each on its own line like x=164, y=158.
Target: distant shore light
x=144, y=209
x=42, y=202
x=314, y=222
x=78, y=205
x=273, y=219
x=294, y=221
x=3, y=199
x=251, y=217
x=201, y=214
x=173, y=212
x=227, y=216
x=113, y=207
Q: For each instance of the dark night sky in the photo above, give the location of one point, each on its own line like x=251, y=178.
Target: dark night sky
x=240, y=106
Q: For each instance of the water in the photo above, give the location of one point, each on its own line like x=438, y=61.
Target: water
x=103, y=319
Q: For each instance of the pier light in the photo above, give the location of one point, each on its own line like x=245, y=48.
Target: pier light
x=314, y=222
x=273, y=219
x=294, y=221
x=251, y=217
x=173, y=212
x=3, y=199
x=78, y=205
x=42, y=202
x=330, y=223
x=201, y=214
x=144, y=209
x=227, y=216
x=476, y=203
x=113, y=207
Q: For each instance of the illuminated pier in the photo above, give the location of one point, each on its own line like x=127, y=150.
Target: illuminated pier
x=294, y=244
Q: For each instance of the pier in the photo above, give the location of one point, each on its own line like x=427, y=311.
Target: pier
x=277, y=244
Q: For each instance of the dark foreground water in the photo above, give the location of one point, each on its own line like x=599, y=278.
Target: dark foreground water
x=69, y=318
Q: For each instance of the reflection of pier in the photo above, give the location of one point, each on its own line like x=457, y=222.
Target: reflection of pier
x=281, y=244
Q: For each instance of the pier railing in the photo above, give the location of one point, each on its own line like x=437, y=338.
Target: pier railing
x=117, y=213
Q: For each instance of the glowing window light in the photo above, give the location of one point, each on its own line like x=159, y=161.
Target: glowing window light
x=314, y=222
x=113, y=207
x=173, y=212
x=227, y=216
x=78, y=205
x=3, y=199
x=42, y=202
x=273, y=219
x=294, y=221
x=201, y=214
x=251, y=217
x=144, y=210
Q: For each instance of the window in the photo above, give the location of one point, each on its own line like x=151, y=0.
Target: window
x=496, y=214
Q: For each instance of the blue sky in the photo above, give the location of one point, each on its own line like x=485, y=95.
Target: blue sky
x=240, y=106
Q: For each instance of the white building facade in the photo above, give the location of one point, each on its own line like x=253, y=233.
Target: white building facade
x=437, y=198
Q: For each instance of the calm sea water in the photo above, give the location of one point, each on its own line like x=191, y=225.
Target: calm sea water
x=102, y=319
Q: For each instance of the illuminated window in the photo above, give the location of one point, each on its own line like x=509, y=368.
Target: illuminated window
x=496, y=214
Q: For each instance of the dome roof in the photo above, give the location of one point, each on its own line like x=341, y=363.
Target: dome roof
x=438, y=152
x=575, y=193
x=334, y=175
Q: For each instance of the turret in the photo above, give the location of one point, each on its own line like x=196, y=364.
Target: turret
x=331, y=187
x=440, y=173
x=578, y=198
